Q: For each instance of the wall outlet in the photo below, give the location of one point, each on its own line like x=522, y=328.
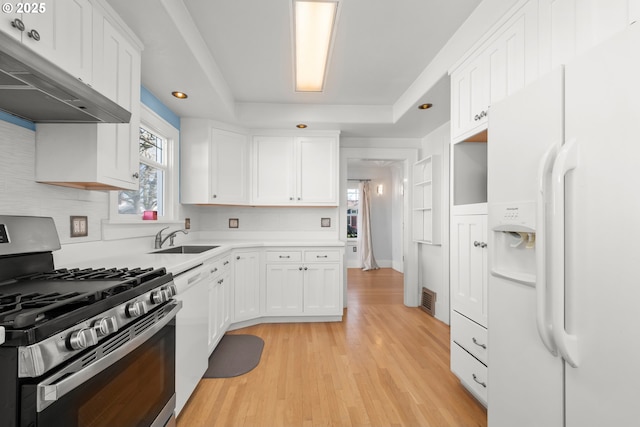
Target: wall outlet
x=78, y=226
x=355, y=249
x=187, y=223
x=234, y=223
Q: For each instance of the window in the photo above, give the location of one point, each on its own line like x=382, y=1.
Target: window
x=157, y=151
x=353, y=201
x=153, y=169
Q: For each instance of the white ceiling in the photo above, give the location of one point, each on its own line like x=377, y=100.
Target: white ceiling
x=234, y=59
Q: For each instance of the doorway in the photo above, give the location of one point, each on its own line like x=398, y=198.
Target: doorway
x=402, y=255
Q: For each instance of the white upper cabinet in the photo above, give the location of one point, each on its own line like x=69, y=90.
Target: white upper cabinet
x=291, y=170
x=58, y=30
x=504, y=63
x=109, y=152
x=214, y=164
x=274, y=180
x=318, y=170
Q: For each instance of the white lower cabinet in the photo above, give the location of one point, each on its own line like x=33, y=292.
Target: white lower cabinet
x=284, y=289
x=471, y=372
x=303, y=282
x=469, y=355
x=219, y=300
x=469, y=266
x=468, y=280
x=246, y=285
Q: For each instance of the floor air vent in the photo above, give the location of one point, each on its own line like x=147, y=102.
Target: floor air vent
x=428, y=303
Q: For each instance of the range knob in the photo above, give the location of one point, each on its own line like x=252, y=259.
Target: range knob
x=136, y=309
x=158, y=296
x=105, y=326
x=82, y=338
x=171, y=290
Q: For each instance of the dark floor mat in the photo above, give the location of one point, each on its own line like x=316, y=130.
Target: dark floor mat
x=235, y=355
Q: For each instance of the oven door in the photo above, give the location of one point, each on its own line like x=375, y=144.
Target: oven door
x=131, y=385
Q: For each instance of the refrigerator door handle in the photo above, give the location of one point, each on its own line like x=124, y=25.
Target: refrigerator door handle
x=542, y=321
x=566, y=161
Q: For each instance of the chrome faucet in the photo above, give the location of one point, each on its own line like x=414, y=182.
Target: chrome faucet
x=160, y=240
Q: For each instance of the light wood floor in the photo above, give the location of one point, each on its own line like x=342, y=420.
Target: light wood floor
x=384, y=365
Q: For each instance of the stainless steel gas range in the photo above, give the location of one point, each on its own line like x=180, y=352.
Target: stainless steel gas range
x=90, y=347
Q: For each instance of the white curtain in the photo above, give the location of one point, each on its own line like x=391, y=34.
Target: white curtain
x=364, y=229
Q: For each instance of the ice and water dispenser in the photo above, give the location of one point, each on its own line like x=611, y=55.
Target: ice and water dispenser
x=513, y=228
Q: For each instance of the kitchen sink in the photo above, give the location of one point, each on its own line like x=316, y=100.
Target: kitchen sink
x=185, y=249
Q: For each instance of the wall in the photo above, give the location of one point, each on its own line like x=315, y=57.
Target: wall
x=281, y=223
x=21, y=195
x=434, y=260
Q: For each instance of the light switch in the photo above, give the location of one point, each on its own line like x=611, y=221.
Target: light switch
x=78, y=226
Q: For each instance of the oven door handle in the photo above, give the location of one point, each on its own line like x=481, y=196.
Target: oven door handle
x=52, y=389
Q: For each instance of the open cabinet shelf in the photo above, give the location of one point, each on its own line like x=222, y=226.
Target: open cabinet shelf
x=427, y=200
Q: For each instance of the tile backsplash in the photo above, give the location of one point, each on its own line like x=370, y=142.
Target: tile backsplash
x=20, y=194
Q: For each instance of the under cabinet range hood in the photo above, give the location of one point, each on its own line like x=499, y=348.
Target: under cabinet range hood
x=35, y=89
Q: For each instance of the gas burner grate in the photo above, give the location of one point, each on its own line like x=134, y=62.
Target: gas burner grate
x=54, y=294
x=90, y=274
x=19, y=310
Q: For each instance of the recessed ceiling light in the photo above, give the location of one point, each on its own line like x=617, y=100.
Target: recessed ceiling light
x=301, y=126
x=179, y=95
x=313, y=28
x=424, y=106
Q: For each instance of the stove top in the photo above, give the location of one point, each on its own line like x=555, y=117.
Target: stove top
x=35, y=306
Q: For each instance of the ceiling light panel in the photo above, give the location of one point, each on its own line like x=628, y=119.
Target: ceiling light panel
x=313, y=25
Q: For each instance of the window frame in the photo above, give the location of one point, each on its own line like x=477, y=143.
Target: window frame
x=155, y=124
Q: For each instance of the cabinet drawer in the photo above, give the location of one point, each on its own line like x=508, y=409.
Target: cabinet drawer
x=284, y=256
x=322, y=256
x=219, y=266
x=470, y=336
x=470, y=371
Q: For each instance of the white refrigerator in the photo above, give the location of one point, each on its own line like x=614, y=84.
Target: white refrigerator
x=564, y=237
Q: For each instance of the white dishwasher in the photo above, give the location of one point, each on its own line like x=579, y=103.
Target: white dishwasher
x=191, y=331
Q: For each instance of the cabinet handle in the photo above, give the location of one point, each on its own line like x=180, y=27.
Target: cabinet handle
x=322, y=256
x=290, y=198
x=478, y=344
x=299, y=198
x=34, y=35
x=227, y=262
x=238, y=257
x=481, y=244
x=136, y=175
x=215, y=196
x=220, y=281
x=284, y=256
x=478, y=381
x=300, y=268
x=306, y=268
x=17, y=24
x=214, y=270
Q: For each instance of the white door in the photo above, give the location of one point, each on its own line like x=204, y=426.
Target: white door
x=468, y=266
x=246, y=285
x=274, y=170
x=229, y=169
x=525, y=379
x=602, y=231
x=322, y=289
x=284, y=289
x=318, y=170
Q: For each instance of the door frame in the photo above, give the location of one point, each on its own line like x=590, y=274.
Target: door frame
x=408, y=156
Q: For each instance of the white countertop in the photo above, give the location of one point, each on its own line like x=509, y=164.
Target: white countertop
x=177, y=263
